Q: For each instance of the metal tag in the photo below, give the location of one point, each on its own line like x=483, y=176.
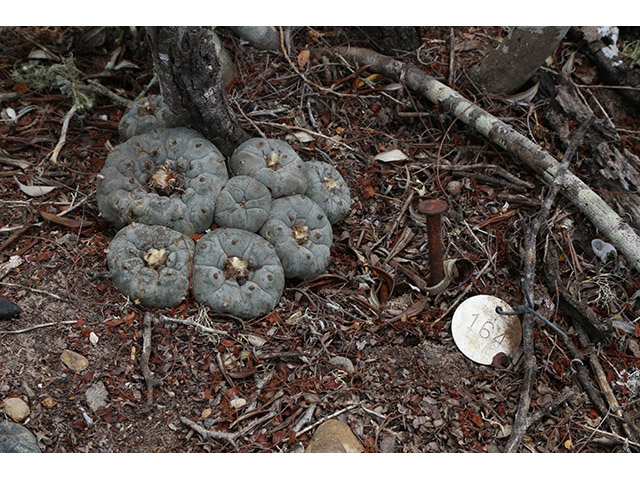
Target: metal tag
x=480, y=333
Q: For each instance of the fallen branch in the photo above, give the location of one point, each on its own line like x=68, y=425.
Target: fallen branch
x=603, y=217
x=144, y=358
x=193, y=323
x=523, y=419
x=35, y=327
x=63, y=133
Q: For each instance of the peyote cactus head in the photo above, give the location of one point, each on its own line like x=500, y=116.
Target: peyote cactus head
x=301, y=234
x=147, y=114
x=237, y=272
x=243, y=203
x=151, y=264
x=328, y=189
x=168, y=177
x=272, y=162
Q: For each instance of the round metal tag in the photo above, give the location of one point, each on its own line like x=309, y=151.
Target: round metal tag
x=480, y=333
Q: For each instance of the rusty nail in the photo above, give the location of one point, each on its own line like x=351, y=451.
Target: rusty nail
x=433, y=210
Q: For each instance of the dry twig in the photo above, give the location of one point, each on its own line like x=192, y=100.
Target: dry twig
x=144, y=358
x=523, y=418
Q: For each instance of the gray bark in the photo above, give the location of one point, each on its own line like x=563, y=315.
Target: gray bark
x=191, y=83
x=517, y=58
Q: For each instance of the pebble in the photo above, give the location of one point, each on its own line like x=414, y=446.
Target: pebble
x=454, y=187
x=333, y=436
x=8, y=309
x=16, y=438
x=96, y=396
x=74, y=361
x=49, y=402
x=16, y=409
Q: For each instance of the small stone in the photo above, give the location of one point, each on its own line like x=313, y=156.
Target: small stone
x=8, y=309
x=96, y=396
x=15, y=438
x=237, y=403
x=49, y=403
x=634, y=348
x=334, y=436
x=454, y=187
x=16, y=409
x=74, y=361
x=93, y=338
x=206, y=413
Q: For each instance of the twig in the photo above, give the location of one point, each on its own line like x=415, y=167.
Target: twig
x=611, y=436
x=225, y=436
x=223, y=371
x=452, y=56
x=306, y=130
x=302, y=75
x=253, y=124
x=53, y=295
x=307, y=416
x=96, y=87
x=43, y=325
x=63, y=133
x=144, y=358
x=334, y=414
x=188, y=321
x=522, y=418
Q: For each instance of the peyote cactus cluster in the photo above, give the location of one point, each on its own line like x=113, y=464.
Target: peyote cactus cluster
x=165, y=183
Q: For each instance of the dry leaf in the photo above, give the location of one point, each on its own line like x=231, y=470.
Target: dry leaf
x=67, y=222
x=303, y=137
x=391, y=156
x=34, y=190
x=303, y=58
x=14, y=162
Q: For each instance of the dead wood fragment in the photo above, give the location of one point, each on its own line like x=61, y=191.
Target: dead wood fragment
x=603, y=217
x=614, y=70
x=144, y=358
x=523, y=419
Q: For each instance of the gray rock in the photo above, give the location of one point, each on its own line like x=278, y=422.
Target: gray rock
x=96, y=396
x=15, y=438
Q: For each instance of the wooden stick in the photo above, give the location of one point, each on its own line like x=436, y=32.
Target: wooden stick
x=522, y=418
x=63, y=133
x=144, y=358
x=603, y=217
x=43, y=325
x=334, y=414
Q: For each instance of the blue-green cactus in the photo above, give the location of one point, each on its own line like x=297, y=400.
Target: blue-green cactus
x=301, y=234
x=237, y=272
x=273, y=163
x=168, y=177
x=243, y=203
x=147, y=114
x=328, y=189
x=151, y=264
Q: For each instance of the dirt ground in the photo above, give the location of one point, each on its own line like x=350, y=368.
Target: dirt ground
x=351, y=343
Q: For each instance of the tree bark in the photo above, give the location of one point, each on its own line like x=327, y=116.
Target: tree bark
x=190, y=78
x=603, y=217
x=517, y=58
